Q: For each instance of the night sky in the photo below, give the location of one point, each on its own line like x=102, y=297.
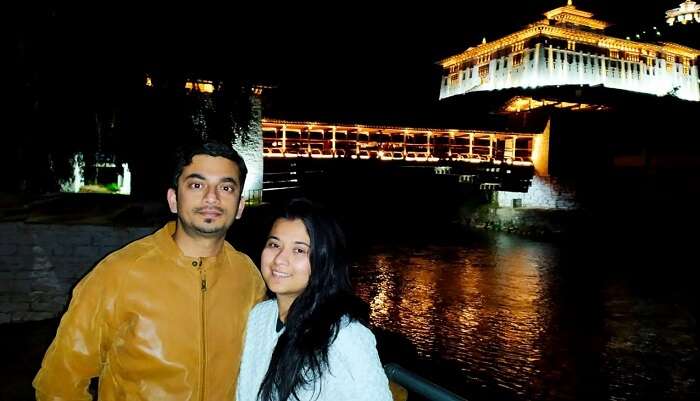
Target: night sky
x=354, y=59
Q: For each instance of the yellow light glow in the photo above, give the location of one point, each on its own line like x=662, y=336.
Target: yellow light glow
x=524, y=103
x=200, y=86
x=206, y=88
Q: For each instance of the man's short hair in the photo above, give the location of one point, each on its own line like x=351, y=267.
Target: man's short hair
x=184, y=155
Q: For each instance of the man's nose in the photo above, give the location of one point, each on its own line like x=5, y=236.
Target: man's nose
x=211, y=195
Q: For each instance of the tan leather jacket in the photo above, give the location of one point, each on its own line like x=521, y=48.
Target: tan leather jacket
x=153, y=324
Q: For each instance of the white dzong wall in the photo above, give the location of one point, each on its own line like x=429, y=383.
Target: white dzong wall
x=547, y=66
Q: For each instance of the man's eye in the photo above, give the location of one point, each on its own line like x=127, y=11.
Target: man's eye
x=227, y=188
x=196, y=185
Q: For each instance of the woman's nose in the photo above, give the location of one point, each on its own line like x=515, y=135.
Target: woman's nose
x=281, y=257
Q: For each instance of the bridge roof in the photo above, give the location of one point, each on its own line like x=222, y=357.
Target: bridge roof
x=318, y=125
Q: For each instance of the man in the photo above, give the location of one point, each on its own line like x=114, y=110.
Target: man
x=164, y=317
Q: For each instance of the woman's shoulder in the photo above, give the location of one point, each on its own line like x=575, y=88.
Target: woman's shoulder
x=354, y=361
x=263, y=309
x=354, y=332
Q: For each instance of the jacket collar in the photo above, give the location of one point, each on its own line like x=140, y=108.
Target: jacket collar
x=167, y=245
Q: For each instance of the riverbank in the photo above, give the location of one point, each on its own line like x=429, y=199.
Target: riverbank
x=527, y=222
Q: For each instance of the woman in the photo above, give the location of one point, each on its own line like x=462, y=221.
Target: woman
x=308, y=343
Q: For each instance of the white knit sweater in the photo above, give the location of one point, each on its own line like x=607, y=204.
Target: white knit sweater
x=355, y=372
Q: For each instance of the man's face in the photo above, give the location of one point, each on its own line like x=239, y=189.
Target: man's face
x=208, y=197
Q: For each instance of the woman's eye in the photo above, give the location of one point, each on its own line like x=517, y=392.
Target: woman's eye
x=301, y=251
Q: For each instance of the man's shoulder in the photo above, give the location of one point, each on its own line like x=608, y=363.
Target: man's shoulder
x=237, y=258
x=129, y=253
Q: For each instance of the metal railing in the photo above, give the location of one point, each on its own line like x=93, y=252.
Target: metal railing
x=418, y=385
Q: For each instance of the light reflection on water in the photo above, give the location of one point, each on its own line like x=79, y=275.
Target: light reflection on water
x=503, y=313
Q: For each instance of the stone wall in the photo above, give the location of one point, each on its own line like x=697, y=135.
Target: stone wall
x=549, y=209
x=40, y=264
x=252, y=153
x=544, y=193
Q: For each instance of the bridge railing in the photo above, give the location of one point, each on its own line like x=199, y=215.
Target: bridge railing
x=419, y=385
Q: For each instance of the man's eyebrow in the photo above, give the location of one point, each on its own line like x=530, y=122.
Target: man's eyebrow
x=201, y=177
x=194, y=175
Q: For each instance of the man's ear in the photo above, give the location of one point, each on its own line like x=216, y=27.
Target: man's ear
x=172, y=200
x=241, y=206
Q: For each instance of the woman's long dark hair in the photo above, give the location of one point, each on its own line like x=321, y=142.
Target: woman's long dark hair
x=314, y=318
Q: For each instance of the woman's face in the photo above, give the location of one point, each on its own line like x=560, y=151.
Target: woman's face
x=285, y=263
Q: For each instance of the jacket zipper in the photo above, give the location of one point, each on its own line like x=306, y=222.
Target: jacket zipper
x=203, y=287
